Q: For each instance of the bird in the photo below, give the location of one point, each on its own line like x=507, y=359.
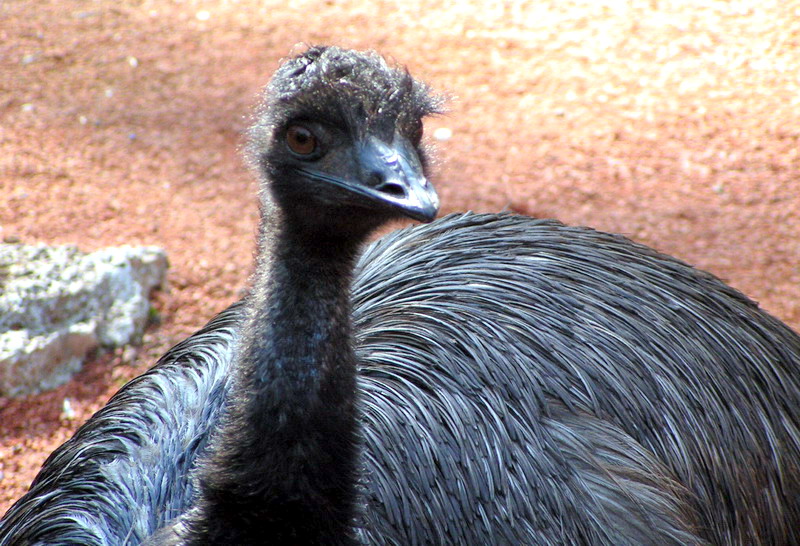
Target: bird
x=478, y=379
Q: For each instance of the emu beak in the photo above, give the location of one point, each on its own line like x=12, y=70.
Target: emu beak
x=393, y=175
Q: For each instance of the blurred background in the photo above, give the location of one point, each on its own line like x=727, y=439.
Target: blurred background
x=676, y=123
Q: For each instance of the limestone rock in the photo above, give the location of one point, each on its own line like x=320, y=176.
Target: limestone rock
x=58, y=303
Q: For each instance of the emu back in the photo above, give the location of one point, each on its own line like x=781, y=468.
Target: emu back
x=517, y=371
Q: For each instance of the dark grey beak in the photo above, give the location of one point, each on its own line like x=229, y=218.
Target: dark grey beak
x=394, y=175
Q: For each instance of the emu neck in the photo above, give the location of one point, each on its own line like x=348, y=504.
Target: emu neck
x=297, y=336
x=283, y=466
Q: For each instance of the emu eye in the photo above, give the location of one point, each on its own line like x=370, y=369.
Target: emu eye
x=300, y=140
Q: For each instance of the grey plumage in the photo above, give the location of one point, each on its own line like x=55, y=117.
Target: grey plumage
x=125, y=471
x=534, y=354
x=520, y=382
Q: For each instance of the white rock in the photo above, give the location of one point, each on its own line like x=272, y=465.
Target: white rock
x=57, y=304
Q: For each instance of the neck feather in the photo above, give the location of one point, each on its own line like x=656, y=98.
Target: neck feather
x=283, y=463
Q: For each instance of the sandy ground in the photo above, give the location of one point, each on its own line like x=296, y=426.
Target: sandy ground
x=673, y=122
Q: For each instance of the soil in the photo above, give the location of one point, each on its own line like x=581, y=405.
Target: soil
x=675, y=123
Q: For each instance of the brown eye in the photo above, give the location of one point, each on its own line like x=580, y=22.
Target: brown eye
x=300, y=140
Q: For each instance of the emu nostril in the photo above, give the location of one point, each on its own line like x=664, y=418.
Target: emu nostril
x=392, y=188
x=377, y=180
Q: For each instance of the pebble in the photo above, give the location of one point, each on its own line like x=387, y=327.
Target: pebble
x=67, y=413
x=443, y=134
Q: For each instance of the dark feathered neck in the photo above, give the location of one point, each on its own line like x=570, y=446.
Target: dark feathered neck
x=283, y=465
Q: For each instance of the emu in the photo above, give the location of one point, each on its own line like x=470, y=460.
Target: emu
x=482, y=379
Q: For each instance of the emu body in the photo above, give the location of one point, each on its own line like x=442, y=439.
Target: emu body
x=603, y=366
x=514, y=380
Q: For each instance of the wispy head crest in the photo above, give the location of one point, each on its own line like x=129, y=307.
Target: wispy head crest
x=352, y=89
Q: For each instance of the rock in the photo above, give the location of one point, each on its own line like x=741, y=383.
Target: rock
x=58, y=303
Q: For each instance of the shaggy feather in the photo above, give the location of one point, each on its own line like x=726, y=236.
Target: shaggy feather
x=535, y=330
x=126, y=471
